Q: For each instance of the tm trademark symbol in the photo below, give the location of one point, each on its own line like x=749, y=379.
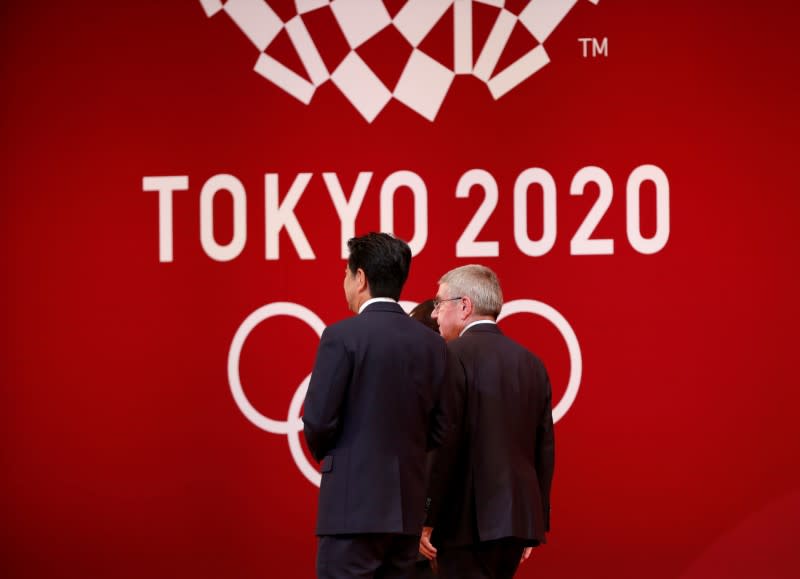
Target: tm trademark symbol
x=594, y=47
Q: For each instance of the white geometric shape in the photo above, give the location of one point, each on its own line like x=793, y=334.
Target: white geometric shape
x=517, y=72
x=423, y=84
x=541, y=17
x=418, y=17
x=307, y=51
x=362, y=88
x=256, y=19
x=304, y=6
x=462, y=37
x=211, y=7
x=360, y=20
x=285, y=78
x=498, y=37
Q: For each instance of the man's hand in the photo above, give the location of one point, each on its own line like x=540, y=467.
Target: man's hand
x=425, y=547
x=526, y=552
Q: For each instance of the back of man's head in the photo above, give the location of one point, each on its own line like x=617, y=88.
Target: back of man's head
x=385, y=260
x=479, y=283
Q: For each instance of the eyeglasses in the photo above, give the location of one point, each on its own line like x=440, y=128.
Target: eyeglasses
x=437, y=302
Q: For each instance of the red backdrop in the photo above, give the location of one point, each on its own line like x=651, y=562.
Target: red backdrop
x=124, y=450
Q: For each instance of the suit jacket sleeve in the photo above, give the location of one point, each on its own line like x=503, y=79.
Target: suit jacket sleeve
x=442, y=460
x=439, y=424
x=545, y=451
x=326, y=393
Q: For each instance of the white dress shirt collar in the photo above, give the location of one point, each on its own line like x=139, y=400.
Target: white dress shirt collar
x=475, y=323
x=375, y=300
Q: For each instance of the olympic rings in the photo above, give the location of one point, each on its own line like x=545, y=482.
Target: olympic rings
x=293, y=424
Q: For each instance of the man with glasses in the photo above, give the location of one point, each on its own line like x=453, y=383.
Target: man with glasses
x=371, y=413
x=489, y=490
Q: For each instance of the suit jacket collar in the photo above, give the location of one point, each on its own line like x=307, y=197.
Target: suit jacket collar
x=483, y=329
x=372, y=301
x=392, y=307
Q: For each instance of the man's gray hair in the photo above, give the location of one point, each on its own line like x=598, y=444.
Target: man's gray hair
x=479, y=283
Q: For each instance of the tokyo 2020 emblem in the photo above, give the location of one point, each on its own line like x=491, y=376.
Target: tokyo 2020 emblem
x=424, y=81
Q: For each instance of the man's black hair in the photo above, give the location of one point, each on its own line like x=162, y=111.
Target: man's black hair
x=385, y=261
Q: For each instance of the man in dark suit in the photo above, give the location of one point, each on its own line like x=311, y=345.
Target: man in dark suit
x=371, y=413
x=489, y=491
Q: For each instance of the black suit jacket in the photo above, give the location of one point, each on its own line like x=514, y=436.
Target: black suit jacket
x=493, y=479
x=371, y=413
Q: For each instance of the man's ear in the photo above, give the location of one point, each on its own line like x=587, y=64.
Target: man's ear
x=467, y=308
x=361, y=280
